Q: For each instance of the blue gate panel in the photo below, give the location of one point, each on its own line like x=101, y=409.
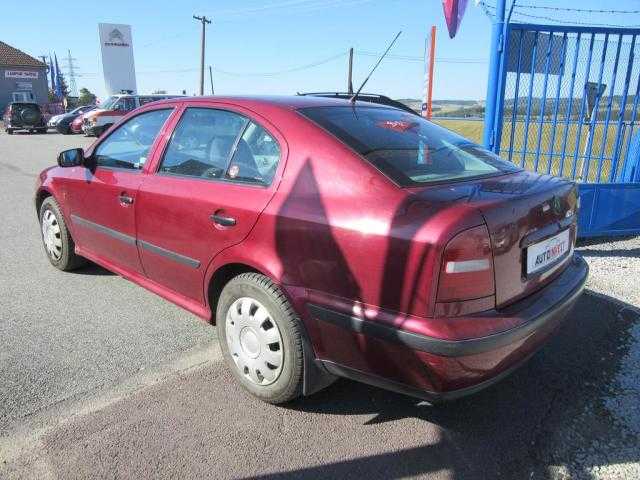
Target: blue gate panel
x=567, y=103
x=608, y=209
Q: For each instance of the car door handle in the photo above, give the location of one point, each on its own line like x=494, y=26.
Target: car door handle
x=222, y=220
x=125, y=199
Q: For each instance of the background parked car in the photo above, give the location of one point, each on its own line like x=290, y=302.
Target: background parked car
x=63, y=122
x=76, y=125
x=114, y=108
x=53, y=121
x=24, y=116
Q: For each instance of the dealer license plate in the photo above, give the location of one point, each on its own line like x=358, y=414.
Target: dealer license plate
x=547, y=252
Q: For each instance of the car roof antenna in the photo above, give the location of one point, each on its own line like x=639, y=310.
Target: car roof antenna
x=355, y=96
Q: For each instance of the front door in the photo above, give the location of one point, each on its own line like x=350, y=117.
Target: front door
x=207, y=193
x=102, y=199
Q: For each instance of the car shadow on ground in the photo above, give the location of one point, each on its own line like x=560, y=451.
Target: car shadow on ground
x=93, y=269
x=549, y=414
x=583, y=244
x=618, y=252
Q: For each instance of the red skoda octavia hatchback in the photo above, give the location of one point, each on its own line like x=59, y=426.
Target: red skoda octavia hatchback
x=324, y=238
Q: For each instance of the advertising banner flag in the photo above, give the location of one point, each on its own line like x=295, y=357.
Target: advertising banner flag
x=58, y=90
x=118, y=67
x=52, y=74
x=453, y=13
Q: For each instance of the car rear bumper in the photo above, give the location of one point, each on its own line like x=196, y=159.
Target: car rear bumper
x=438, y=368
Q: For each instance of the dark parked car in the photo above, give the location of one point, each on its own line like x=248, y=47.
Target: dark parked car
x=63, y=124
x=324, y=239
x=24, y=116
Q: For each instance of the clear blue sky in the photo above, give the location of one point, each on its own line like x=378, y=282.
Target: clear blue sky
x=253, y=37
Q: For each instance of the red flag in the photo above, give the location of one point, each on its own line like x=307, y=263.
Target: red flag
x=453, y=13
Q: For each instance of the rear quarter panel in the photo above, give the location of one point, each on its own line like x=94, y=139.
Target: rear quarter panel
x=341, y=232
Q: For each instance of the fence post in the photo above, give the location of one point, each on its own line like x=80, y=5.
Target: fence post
x=497, y=29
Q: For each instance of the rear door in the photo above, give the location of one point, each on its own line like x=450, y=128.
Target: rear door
x=211, y=184
x=102, y=200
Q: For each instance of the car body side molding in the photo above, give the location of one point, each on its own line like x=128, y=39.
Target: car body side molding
x=123, y=237
x=176, y=257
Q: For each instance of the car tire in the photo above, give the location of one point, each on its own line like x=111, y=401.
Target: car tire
x=42, y=130
x=261, y=338
x=9, y=131
x=56, y=238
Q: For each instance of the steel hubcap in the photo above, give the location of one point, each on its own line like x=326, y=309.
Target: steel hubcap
x=51, y=235
x=254, y=341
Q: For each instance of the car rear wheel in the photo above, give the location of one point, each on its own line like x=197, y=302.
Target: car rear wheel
x=261, y=339
x=9, y=131
x=57, y=241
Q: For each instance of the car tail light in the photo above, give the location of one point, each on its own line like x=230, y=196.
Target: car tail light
x=466, y=273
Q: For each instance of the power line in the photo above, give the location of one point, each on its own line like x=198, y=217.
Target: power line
x=581, y=10
x=557, y=20
x=281, y=72
x=290, y=6
x=417, y=59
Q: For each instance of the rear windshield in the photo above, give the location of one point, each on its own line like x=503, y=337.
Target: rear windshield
x=407, y=148
x=27, y=106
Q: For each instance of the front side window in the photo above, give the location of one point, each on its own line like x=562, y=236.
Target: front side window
x=128, y=145
x=407, y=148
x=218, y=144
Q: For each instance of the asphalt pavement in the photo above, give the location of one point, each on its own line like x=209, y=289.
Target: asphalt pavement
x=101, y=379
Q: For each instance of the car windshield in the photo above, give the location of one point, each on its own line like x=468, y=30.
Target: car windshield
x=109, y=103
x=407, y=148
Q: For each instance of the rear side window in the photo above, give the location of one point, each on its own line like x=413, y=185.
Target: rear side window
x=217, y=144
x=405, y=147
x=126, y=104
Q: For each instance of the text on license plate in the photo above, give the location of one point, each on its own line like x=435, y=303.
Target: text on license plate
x=546, y=252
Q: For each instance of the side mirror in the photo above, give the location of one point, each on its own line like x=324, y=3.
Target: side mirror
x=71, y=158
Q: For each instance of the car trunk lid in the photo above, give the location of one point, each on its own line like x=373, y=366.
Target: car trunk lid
x=523, y=211
x=532, y=225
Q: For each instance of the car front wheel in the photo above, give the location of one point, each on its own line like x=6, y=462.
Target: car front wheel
x=261, y=338
x=57, y=241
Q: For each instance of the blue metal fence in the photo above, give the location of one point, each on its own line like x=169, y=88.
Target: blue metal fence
x=565, y=102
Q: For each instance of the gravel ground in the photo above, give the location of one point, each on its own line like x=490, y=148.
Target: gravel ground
x=615, y=272
x=101, y=379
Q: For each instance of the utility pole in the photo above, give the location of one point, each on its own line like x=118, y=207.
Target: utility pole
x=72, y=74
x=350, y=77
x=432, y=60
x=211, y=79
x=204, y=20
